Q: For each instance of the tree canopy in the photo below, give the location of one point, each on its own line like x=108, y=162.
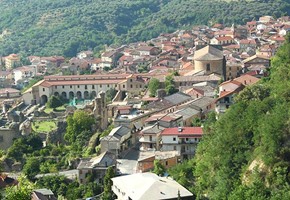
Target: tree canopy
x=79, y=129
x=153, y=86
x=68, y=26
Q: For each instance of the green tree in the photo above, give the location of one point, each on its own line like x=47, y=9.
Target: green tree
x=108, y=194
x=78, y=124
x=169, y=85
x=196, y=122
x=21, y=192
x=31, y=167
x=54, y=102
x=159, y=169
x=153, y=86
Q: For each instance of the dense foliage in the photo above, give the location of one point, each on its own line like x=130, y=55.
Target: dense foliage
x=245, y=154
x=71, y=190
x=21, y=192
x=153, y=86
x=68, y=26
x=54, y=102
x=79, y=129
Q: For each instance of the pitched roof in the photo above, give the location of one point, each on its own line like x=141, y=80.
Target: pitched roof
x=247, y=79
x=227, y=93
x=187, y=112
x=253, y=57
x=183, y=131
x=117, y=133
x=208, y=53
x=154, y=129
x=231, y=81
x=105, y=159
x=144, y=186
x=247, y=41
x=178, y=98
x=163, y=117
x=224, y=38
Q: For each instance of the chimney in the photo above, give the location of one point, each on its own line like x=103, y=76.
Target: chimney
x=179, y=129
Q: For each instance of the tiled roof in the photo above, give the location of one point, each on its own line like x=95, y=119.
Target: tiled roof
x=178, y=98
x=208, y=53
x=247, y=79
x=181, y=131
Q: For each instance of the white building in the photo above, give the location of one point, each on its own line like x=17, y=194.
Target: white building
x=145, y=186
x=181, y=139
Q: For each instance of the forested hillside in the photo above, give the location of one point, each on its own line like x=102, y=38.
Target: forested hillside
x=64, y=27
x=246, y=152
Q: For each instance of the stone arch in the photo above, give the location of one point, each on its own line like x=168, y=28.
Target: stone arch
x=56, y=94
x=79, y=95
x=64, y=95
x=86, y=95
x=71, y=95
x=43, y=99
x=93, y=94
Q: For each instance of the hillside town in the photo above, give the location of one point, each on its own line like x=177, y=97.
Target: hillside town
x=152, y=98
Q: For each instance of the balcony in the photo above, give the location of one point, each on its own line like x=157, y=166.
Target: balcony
x=183, y=141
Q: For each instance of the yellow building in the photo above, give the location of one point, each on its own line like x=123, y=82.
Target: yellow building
x=12, y=61
x=209, y=60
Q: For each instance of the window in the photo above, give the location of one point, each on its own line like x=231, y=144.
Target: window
x=108, y=85
x=186, y=139
x=166, y=163
x=174, y=148
x=86, y=87
x=131, y=86
x=100, y=86
x=208, y=67
x=55, y=87
x=70, y=86
x=43, y=89
x=93, y=86
x=230, y=68
x=78, y=86
x=174, y=139
x=150, y=138
x=131, y=80
x=62, y=86
x=140, y=86
x=123, y=86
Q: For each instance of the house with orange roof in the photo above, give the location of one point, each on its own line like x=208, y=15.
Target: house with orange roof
x=226, y=99
x=22, y=74
x=267, y=50
x=223, y=40
x=229, y=85
x=181, y=139
x=228, y=89
x=251, y=25
x=247, y=43
x=12, y=61
x=256, y=60
x=277, y=39
x=247, y=79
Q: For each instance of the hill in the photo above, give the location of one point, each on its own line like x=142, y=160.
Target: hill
x=64, y=27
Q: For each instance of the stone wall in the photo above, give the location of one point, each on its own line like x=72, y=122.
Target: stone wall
x=6, y=137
